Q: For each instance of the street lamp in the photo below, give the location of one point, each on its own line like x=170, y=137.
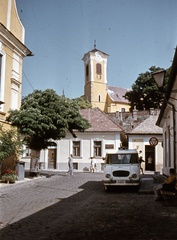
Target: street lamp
x=159, y=78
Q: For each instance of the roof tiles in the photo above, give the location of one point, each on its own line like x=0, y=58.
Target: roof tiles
x=148, y=126
x=117, y=94
x=99, y=121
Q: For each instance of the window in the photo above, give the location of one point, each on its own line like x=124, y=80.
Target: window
x=122, y=158
x=2, y=78
x=0, y=75
x=87, y=70
x=97, y=148
x=99, y=98
x=98, y=69
x=0, y=68
x=75, y=165
x=76, y=148
x=169, y=146
x=14, y=96
x=15, y=67
x=166, y=151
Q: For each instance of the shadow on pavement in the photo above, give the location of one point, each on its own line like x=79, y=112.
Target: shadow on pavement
x=95, y=214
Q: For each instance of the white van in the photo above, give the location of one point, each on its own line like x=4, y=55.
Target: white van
x=121, y=168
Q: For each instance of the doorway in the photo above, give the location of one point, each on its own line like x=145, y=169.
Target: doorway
x=149, y=158
x=52, y=158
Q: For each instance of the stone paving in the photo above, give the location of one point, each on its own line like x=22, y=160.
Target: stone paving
x=77, y=207
x=27, y=197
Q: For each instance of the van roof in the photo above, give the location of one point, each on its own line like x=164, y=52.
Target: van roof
x=124, y=151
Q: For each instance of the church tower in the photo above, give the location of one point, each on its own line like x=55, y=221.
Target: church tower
x=95, y=71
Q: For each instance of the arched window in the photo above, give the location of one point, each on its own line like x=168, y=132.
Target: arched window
x=98, y=69
x=99, y=98
x=87, y=70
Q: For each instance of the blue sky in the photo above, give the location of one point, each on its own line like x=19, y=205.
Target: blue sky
x=136, y=34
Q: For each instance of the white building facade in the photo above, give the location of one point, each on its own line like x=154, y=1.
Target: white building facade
x=103, y=136
x=147, y=138
x=167, y=120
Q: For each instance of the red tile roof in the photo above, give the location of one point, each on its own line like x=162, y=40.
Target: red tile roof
x=100, y=122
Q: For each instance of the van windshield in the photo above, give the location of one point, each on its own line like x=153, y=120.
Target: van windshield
x=122, y=158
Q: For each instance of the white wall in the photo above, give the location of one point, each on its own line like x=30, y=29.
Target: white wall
x=64, y=149
x=140, y=141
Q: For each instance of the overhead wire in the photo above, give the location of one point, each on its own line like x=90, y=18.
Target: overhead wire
x=28, y=80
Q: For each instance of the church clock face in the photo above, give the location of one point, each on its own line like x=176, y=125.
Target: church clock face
x=98, y=57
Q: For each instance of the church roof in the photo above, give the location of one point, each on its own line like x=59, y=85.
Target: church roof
x=99, y=121
x=116, y=94
x=96, y=50
x=148, y=126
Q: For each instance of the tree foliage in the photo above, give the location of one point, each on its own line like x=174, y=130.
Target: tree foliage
x=45, y=116
x=82, y=103
x=10, y=143
x=145, y=93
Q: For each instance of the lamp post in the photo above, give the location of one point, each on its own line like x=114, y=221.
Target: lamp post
x=159, y=79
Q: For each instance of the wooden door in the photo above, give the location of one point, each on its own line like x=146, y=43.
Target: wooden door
x=149, y=158
x=52, y=158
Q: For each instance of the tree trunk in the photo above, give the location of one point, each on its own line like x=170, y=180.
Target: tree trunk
x=34, y=162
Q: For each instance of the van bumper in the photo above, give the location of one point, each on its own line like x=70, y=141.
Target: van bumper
x=120, y=182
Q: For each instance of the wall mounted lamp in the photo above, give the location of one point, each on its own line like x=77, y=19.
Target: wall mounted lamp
x=159, y=78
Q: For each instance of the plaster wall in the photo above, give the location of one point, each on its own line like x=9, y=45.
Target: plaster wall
x=64, y=149
x=10, y=19
x=139, y=142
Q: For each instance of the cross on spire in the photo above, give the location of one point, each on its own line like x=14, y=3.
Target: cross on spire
x=94, y=44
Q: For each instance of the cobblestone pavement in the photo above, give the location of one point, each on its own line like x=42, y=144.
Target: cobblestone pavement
x=77, y=207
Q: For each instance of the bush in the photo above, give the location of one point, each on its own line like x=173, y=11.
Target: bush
x=9, y=176
x=10, y=143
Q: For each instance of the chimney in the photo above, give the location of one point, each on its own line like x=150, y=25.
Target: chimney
x=135, y=111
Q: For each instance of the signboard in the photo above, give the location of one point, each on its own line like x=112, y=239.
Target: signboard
x=153, y=141
x=109, y=146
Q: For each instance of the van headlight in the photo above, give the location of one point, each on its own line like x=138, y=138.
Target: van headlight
x=134, y=175
x=108, y=175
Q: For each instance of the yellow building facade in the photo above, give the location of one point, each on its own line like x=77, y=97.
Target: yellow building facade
x=96, y=90
x=12, y=52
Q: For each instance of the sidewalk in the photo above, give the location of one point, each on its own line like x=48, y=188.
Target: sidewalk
x=26, y=180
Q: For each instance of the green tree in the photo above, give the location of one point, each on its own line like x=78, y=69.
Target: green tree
x=145, y=93
x=82, y=103
x=45, y=116
x=10, y=143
